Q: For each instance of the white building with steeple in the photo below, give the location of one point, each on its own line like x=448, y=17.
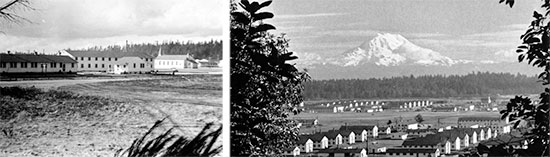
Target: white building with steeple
x=173, y=62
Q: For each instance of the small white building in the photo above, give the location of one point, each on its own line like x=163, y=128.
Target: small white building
x=292, y=151
x=413, y=126
x=174, y=62
x=305, y=143
x=205, y=63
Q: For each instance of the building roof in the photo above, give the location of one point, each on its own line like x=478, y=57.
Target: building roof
x=452, y=135
x=384, y=128
x=420, y=130
x=440, y=137
x=317, y=137
x=346, y=132
x=33, y=58
x=479, y=119
x=428, y=140
x=112, y=54
x=331, y=134
x=507, y=139
x=397, y=150
x=339, y=150
x=175, y=57
x=302, y=139
x=357, y=127
x=290, y=148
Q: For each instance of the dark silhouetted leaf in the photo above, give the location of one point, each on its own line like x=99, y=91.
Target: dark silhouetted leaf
x=521, y=57
x=532, y=40
x=261, y=28
x=265, y=4
x=537, y=15
x=263, y=15
x=522, y=47
x=240, y=17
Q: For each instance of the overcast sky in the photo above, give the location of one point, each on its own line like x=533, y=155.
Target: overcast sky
x=460, y=29
x=60, y=24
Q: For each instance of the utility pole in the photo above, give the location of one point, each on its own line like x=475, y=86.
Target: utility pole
x=547, y=69
x=367, y=146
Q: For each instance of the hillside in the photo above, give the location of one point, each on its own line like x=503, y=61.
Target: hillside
x=199, y=50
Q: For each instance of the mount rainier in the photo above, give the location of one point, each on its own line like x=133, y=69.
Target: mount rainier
x=388, y=55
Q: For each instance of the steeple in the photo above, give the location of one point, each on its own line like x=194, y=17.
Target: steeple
x=160, y=52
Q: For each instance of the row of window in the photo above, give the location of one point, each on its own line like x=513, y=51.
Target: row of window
x=170, y=63
x=32, y=65
x=461, y=121
x=96, y=58
x=141, y=65
x=108, y=58
x=409, y=153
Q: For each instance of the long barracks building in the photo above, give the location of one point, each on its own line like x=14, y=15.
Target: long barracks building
x=36, y=63
x=95, y=61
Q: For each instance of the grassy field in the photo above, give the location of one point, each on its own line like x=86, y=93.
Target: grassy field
x=188, y=103
x=329, y=121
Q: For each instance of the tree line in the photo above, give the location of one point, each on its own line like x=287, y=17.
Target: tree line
x=200, y=50
x=428, y=86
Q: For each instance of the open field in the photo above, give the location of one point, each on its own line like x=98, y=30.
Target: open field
x=189, y=102
x=329, y=121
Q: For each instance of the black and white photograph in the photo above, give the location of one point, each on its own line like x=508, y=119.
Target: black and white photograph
x=111, y=77
x=389, y=78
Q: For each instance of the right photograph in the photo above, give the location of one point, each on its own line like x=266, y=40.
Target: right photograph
x=358, y=78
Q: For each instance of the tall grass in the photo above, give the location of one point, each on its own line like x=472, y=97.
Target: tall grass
x=168, y=144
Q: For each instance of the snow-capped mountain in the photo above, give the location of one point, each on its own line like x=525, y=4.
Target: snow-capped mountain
x=391, y=50
x=388, y=55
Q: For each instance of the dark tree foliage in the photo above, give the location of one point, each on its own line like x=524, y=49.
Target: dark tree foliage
x=265, y=89
x=431, y=86
x=200, y=50
x=532, y=116
x=418, y=118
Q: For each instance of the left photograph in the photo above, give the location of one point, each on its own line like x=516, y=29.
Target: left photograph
x=111, y=78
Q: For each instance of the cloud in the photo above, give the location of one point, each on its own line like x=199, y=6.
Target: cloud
x=104, y=18
x=69, y=21
x=299, y=16
x=508, y=55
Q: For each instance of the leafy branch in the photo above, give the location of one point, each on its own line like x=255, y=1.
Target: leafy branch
x=265, y=89
x=524, y=113
x=6, y=11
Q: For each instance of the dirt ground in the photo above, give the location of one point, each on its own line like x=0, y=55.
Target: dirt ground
x=188, y=103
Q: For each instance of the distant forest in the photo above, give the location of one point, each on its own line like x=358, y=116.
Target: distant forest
x=199, y=50
x=430, y=86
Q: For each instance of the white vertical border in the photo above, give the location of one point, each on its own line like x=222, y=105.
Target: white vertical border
x=225, y=70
